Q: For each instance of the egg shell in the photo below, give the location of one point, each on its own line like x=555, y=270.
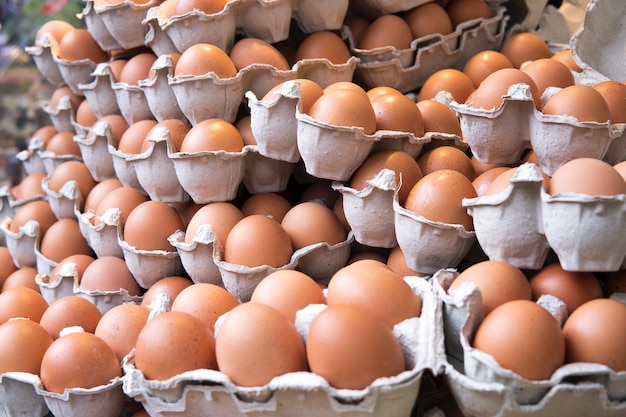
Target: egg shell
x=94, y=149
x=509, y=224
x=22, y=243
x=159, y=95
x=98, y=91
x=305, y=393
x=122, y=20
x=369, y=212
x=96, y=26
x=265, y=174
x=62, y=115
x=19, y=394
x=198, y=257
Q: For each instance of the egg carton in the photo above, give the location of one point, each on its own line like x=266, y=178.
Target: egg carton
x=65, y=201
x=18, y=395
x=96, y=26
x=120, y=22
x=124, y=168
x=30, y=157
x=62, y=115
x=104, y=400
x=43, y=52
x=101, y=237
x=99, y=93
x=44, y=265
x=75, y=72
x=51, y=160
x=9, y=205
x=408, y=69
x=132, y=102
x=481, y=387
x=209, y=392
x=517, y=126
x=159, y=95
x=94, y=150
x=264, y=174
x=21, y=244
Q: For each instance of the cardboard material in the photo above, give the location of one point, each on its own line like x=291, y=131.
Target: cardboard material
x=62, y=116
x=125, y=168
x=21, y=244
x=198, y=257
x=156, y=38
x=320, y=260
x=158, y=93
x=265, y=174
x=94, y=150
x=99, y=93
x=102, y=238
x=123, y=21
x=63, y=202
x=75, y=73
x=97, y=28
x=43, y=53
x=105, y=400
x=18, y=395
x=132, y=101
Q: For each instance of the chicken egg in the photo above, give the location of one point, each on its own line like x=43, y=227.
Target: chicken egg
x=547, y=72
x=525, y=46
x=63, y=239
x=171, y=285
x=323, y=44
x=461, y=11
x=62, y=143
x=182, y=7
x=614, y=93
x=79, y=44
x=99, y=191
x=72, y=171
x=149, y=225
x=24, y=343
x=446, y=157
x=137, y=68
x=387, y=30
x=67, y=311
x=490, y=93
x=119, y=327
x=201, y=58
x=123, y=198
x=23, y=277
x=251, y=51
x=212, y=135
x=428, y=19
x=39, y=211
x=345, y=107
x=588, y=176
x=397, y=112
x=483, y=63
x=80, y=261
x=308, y=223
x=454, y=81
x=310, y=91
x=439, y=118
x=132, y=139
x=109, y=273
x=56, y=28
x=21, y=302
x=205, y=301
x=268, y=204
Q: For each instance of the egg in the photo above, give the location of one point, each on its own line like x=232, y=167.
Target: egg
x=252, y=51
x=323, y=44
x=116, y=124
x=137, y=68
x=572, y=287
x=21, y=302
x=85, y=116
x=351, y=347
x=78, y=360
x=221, y=215
x=62, y=143
x=502, y=181
x=438, y=197
x=44, y=133
x=525, y=46
x=397, y=112
x=171, y=285
x=345, y=107
x=490, y=93
x=461, y=11
x=109, y=273
x=63, y=239
x=98, y=192
x=80, y=263
x=523, y=337
x=452, y=80
x=483, y=181
x=396, y=261
x=341, y=215
x=375, y=287
x=268, y=204
x=39, y=211
x=149, y=225
x=67, y=311
x=115, y=66
x=565, y=56
x=439, y=118
x=132, y=139
x=205, y=301
x=212, y=135
x=387, y=30
x=56, y=28
x=357, y=25
x=255, y=343
x=592, y=334
x=24, y=343
x=65, y=91
x=7, y=267
x=30, y=186
x=320, y=191
x=72, y=171
x=206, y=6
x=23, y=277
x=174, y=129
x=483, y=63
x=79, y=44
x=310, y=91
x=202, y=58
x=480, y=167
x=123, y=198
x=614, y=93
x=428, y=19
x=446, y=157
x=588, y=176
x=309, y=223
x=258, y=240
x=119, y=327
x=547, y=72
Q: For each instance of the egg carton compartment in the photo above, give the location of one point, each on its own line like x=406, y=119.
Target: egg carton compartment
x=63, y=285
x=44, y=265
x=104, y=400
x=197, y=257
x=98, y=91
x=21, y=244
x=18, y=395
x=43, y=53
x=375, y=8
x=102, y=236
x=124, y=168
x=159, y=95
x=76, y=72
x=122, y=20
x=96, y=26
x=65, y=201
x=597, y=47
x=209, y=392
x=30, y=157
x=94, y=149
x=265, y=174
x=63, y=115
x=617, y=149
x=6, y=209
x=481, y=387
x=407, y=70
x=156, y=38
x=132, y=102
x=321, y=260
x=509, y=225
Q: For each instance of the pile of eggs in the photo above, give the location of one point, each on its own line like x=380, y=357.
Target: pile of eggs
x=253, y=205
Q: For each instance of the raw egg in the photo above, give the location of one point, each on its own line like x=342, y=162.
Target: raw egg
x=454, y=81
x=387, y=30
x=525, y=46
x=428, y=19
x=254, y=51
x=150, y=224
x=202, y=58
x=308, y=223
x=70, y=310
x=109, y=273
x=323, y=44
x=205, y=301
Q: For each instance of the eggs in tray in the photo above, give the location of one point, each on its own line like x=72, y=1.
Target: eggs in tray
x=335, y=205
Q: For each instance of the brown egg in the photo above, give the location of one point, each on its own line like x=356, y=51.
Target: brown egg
x=380, y=90
x=310, y=91
x=345, y=107
x=357, y=25
x=490, y=93
x=565, y=56
x=309, y=223
x=133, y=138
x=23, y=277
x=57, y=28
x=483, y=63
x=341, y=215
x=68, y=311
x=396, y=261
x=171, y=286
x=255, y=343
x=258, y=240
x=78, y=360
x=547, y=72
x=72, y=171
x=387, y=30
x=24, y=343
x=21, y=302
x=137, y=68
x=614, y=282
x=397, y=112
x=502, y=181
x=268, y=204
x=221, y=215
x=85, y=115
x=464, y=10
x=207, y=6
x=481, y=167
x=323, y=44
x=7, y=266
x=205, y=301
x=150, y=224
x=115, y=66
x=428, y=19
x=63, y=239
x=454, y=81
x=175, y=129
x=79, y=44
x=117, y=125
x=446, y=157
x=80, y=261
x=119, y=327
x=65, y=91
x=587, y=176
x=438, y=117
x=39, y=211
x=349, y=85
x=288, y=291
x=109, y=273
x=498, y=282
x=351, y=347
x=245, y=130
x=523, y=337
x=212, y=135
x=620, y=167
x=377, y=288
x=592, y=334
x=572, y=287
x=45, y=133
x=123, y=198
x=525, y=46
x=406, y=168
x=251, y=51
x=614, y=93
x=62, y=143
x=483, y=181
x=202, y=58
x=168, y=7
x=438, y=197
x=320, y=191
x=98, y=192
x=174, y=342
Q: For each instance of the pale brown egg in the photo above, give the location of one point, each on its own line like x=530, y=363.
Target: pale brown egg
x=137, y=68
x=620, y=167
x=255, y=343
x=483, y=63
x=323, y=44
x=21, y=302
x=490, y=93
x=397, y=112
x=587, y=176
x=65, y=91
x=56, y=28
x=30, y=186
x=446, y=157
x=454, y=81
x=150, y=224
x=167, y=7
x=250, y=51
x=24, y=343
x=207, y=6
x=396, y=261
x=133, y=138
x=565, y=56
x=438, y=197
x=461, y=11
x=63, y=239
x=345, y=107
x=205, y=301
x=428, y=19
x=523, y=337
x=341, y=215
x=351, y=347
x=375, y=287
x=380, y=90
x=68, y=311
x=174, y=342
x=203, y=58
x=120, y=327
x=117, y=126
x=80, y=261
x=123, y=198
x=525, y=46
x=502, y=181
x=79, y=44
x=547, y=72
x=243, y=125
x=62, y=143
x=268, y=204
x=592, y=334
x=320, y=191
x=221, y=215
x=109, y=273
x=85, y=115
x=258, y=240
x=23, y=277
x=7, y=266
x=177, y=129
x=212, y=135
x=387, y=30
x=78, y=360
x=45, y=133
x=614, y=93
x=308, y=223
x=483, y=181
x=357, y=25
x=480, y=166
x=72, y=171
x=310, y=91
x=439, y=118
x=98, y=192
x=498, y=282
x=115, y=66
x=39, y=211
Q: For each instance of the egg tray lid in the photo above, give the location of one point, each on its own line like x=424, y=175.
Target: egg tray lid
x=481, y=387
